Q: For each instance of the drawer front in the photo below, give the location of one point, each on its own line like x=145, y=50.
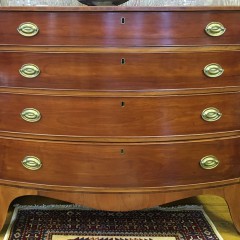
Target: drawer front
x=102, y=165
x=120, y=71
x=119, y=28
x=115, y=116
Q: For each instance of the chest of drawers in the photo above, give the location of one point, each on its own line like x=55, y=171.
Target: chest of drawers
x=120, y=108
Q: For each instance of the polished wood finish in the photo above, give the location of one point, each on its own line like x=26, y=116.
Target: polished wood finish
x=119, y=166
x=121, y=92
x=7, y=195
x=123, y=117
x=106, y=29
x=232, y=199
x=124, y=201
x=120, y=71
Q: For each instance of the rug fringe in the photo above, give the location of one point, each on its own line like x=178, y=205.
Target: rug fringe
x=51, y=206
x=75, y=206
x=212, y=225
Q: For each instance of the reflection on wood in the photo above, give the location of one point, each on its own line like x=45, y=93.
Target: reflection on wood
x=129, y=3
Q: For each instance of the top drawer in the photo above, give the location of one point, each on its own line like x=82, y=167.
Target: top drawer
x=120, y=28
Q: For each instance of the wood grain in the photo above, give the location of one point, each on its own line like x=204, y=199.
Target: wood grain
x=119, y=117
x=7, y=195
x=105, y=71
x=124, y=202
x=232, y=199
x=120, y=176
x=105, y=28
x=119, y=166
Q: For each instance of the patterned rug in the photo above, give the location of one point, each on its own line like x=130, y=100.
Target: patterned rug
x=71, y=222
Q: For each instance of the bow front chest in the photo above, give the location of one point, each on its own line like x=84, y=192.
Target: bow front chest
x=120, y=108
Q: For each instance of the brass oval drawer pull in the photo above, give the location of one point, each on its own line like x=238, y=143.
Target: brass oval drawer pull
x=213, y=70
x=32, y=163
x=28, y=29
x=211, y=114
x=29, y=70
x=215, y=29
x=209, y=162
x=31, y=115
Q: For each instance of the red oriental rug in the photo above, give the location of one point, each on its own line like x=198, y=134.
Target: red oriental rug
x=71, y=222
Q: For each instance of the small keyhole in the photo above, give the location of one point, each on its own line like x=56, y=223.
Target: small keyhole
x=123, y=61
x=122, y=151
x=123, y=21
x=122, y=104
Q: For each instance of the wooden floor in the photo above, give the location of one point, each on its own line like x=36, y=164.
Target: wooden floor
x=215, y=207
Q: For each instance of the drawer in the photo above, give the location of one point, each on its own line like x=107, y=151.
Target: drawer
x=112, y=165
x=120, y=71
x=119, y=117
x=119, y=28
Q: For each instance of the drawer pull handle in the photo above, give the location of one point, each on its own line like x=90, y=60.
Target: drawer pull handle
x=213, y=70
x=211, y=114
x=29, y=70
x=31, y=115
x=28, y=29
x=209, y=162
x=32, y=163
x=215, y=29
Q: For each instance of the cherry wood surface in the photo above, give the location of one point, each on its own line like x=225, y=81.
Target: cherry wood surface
x=119, y=165
x=119, y=176
x=111, y=117
x=120, y=71
x=124, y=201
x=106, y=28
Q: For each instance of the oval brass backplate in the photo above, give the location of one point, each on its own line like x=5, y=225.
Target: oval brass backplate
x=32, y=163
x=215, y=29
x=29, y=70
x=28, y=29
x=209, y=162
x=31, y=115
x=213, y=70
x=211, y=114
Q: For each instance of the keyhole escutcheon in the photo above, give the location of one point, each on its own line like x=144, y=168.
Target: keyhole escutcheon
x=123, y=20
